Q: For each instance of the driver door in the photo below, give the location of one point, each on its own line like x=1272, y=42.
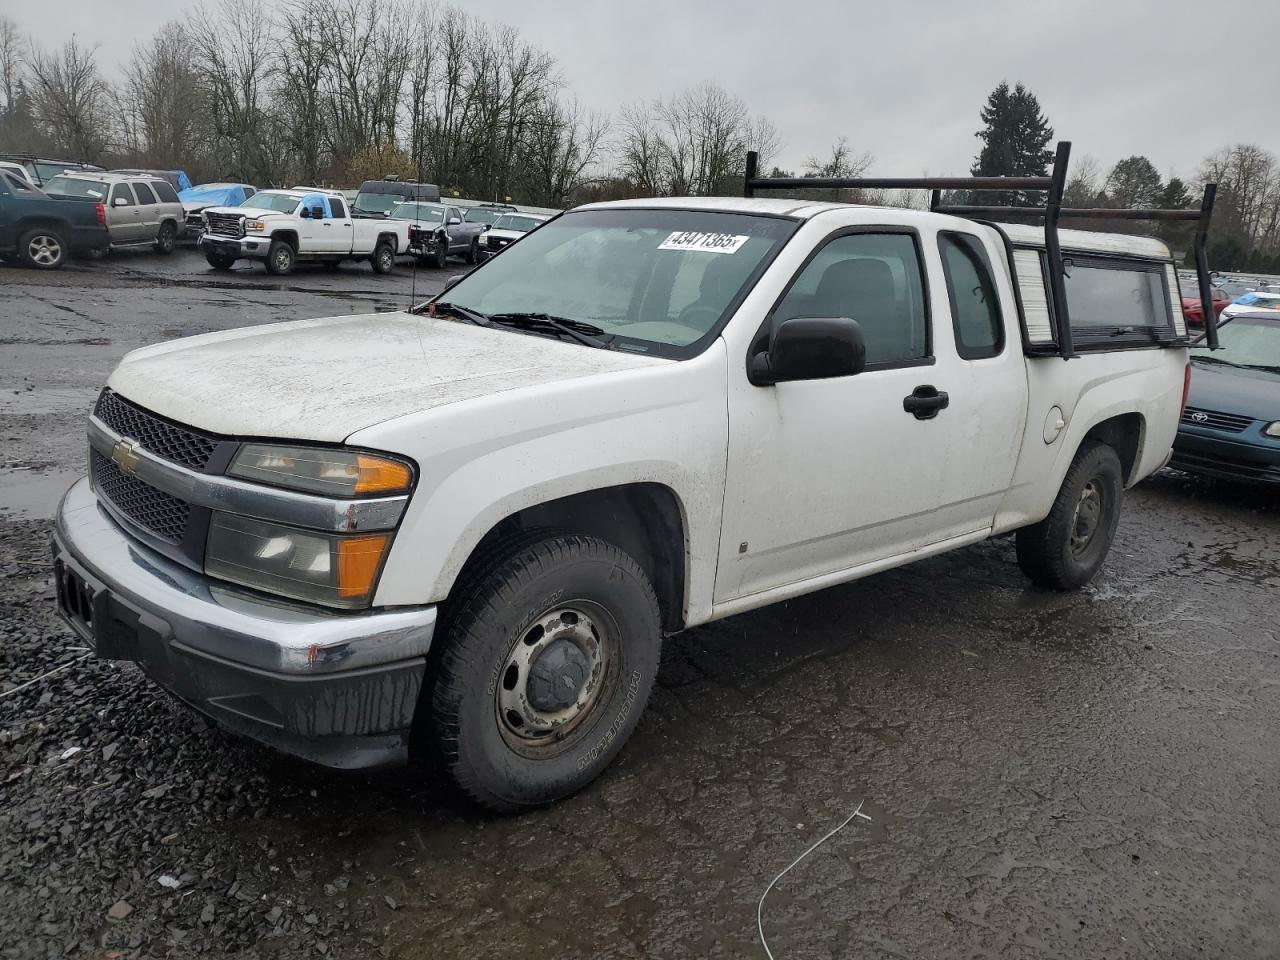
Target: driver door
x=826, y=475
x=311, y=229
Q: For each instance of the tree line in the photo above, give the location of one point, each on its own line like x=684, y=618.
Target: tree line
x=337, y=91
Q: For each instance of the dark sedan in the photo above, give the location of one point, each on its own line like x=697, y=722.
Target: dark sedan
x=1231, y=426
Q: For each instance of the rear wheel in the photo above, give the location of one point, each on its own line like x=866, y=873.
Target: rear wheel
x=1065, y=550
x=280, y=257
x=547, y=660
x=42, y=248
x=219, y=261
x=167, y=239
x=384, y=258
x=473, y=251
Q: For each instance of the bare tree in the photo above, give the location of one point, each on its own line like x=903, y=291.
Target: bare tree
x=302, y=69
x=234, y=59
x=561, y=145
x=71, y=100
x=165, y=99
x=12, y=58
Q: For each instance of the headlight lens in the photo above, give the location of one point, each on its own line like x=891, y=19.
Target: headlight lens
x=254, y=225
x=333, y=473
x=337, y=571
x=1272, y=429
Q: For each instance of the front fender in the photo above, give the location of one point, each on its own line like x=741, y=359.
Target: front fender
x=483, y=460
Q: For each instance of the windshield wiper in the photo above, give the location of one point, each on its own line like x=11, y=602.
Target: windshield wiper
x=462, y=313
x=585, y=333
x=1212, y=359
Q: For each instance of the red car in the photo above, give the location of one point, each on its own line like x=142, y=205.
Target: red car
x=1191, y=304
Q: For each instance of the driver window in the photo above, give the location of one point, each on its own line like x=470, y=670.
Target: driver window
x=873, y=278
x=121, y=190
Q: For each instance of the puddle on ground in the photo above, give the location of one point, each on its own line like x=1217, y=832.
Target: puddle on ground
x=28, y=494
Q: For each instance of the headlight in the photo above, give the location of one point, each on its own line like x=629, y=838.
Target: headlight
x=258, y=225
x=333, y=473
x=337, y=571
x=1272, y=429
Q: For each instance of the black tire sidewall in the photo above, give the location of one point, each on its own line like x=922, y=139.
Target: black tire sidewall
x=376, y=259
x=473, y=252
x=482, y=763
x=219, y=262
x=442, y=255
x=167, y=239
x=24, y=242
x=1098, y=463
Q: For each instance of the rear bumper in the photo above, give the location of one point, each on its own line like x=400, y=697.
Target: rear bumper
x=339, y=690
x=1211, y=456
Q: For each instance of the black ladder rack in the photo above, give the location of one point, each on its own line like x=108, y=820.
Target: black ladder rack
x=1053, y=187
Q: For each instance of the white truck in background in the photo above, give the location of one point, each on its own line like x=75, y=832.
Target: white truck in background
x=282, y=227
x=461, y=532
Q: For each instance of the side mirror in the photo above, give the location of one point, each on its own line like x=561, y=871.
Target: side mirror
x=317, y=213
x=453, y=220
x=810, y=348
x=119, y=202
x=304, y=213
x=453, y=281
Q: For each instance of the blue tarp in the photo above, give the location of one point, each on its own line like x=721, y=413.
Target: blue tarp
x=317, y=200
x=213, y=196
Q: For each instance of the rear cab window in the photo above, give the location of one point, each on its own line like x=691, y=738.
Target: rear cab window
x=971, y=291
x=1115, y=300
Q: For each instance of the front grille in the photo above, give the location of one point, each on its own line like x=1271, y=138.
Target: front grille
x=178, y=444
x=1227, y=422
x=226, y=225
x=151, y=509
x=497, y=243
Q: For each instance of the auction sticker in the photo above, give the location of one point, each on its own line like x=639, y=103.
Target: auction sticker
x=705, y=242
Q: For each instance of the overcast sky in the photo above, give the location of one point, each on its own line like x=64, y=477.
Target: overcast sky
x=1171, y=79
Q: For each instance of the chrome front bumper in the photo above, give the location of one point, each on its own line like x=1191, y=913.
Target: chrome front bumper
x=339, y=689
x=251, y=246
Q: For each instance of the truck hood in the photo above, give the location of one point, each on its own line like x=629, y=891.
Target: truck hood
x=325, y=379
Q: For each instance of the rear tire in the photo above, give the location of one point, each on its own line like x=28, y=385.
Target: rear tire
x=42, y=248
x=167, y=239
x=384, y=258
x=546, y=662
x=280, y=257
x=473, y=251
x=219, y=261
x=1065, y=550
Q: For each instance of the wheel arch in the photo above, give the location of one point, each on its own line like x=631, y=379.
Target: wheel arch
x=288, y=236
x=391, y=238
x=1124, y=433
x=644, y=519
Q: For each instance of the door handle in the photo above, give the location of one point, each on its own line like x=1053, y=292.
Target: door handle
x=925, y=402
x=328, y=224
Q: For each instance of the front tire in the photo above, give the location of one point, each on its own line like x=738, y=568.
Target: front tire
x=384, y=258
x=167, y=238
x=219, y=261
x=42, y=248
x=442, y=254
x=547, y=660
x=473, y=251
x=280, y=257
x=1065, y=550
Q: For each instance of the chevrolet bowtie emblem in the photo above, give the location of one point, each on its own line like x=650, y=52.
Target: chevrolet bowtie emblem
x=124, y=455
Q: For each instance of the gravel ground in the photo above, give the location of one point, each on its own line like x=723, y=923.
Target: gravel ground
x=1046, y=775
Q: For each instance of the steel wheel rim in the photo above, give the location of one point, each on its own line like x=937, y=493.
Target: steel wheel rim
x=385, y=259
x=282, y=259
x=1087, y=517
x=44, y=250
x=531, y=727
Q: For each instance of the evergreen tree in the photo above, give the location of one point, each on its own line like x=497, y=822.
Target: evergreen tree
x=1175, y=196
x=1134, y=183
x=1014, y=137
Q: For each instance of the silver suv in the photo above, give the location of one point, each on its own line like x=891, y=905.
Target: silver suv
x=138, y=209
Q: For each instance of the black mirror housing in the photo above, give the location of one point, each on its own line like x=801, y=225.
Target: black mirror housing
x=317, y=213
x=810, y=348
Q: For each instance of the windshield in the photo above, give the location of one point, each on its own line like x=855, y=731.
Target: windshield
x=418, y=212
x=509, y=221
x=75, y=187
x=47, y=171
x=376, y=202
x=1246, y=342
x=482, y=215
x=279, y=202
x=657, y=281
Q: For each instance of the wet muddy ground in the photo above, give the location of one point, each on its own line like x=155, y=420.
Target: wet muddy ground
x=1085, y=775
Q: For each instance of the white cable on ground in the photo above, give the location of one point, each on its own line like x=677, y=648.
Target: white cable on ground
x=47, y=673
x=760, y=906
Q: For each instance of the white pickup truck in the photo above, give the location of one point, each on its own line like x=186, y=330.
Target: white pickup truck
x=462, y=532
x=281, y=227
